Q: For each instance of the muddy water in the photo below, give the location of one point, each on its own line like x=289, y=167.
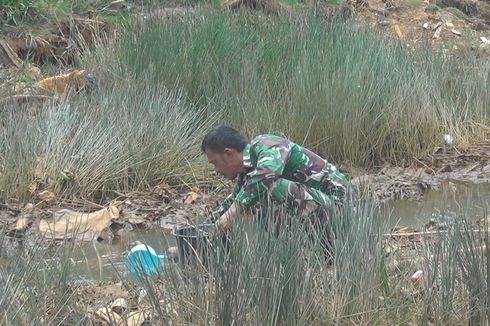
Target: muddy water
x=452, y=198
x=105, y=261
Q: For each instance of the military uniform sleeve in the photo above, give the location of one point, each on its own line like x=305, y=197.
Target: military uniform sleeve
x=271, y=161
x=227, y=202
x=225, y=205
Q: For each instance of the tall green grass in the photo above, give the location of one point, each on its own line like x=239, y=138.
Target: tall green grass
x=280, y=278
x=126, y=136
x=334, y=85
x=458, y=281
x=20, y=12
x=276, y=278
x=329, y=84
x=35, y=289
x=283, y=278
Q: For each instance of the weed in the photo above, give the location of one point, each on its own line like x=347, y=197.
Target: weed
x=432, y=7
x=456, y=12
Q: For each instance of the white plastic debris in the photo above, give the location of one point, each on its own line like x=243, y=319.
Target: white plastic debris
x=456, y=32
x=417, y=278
x=437, y=33
x=484, y=40
x=436, y=26
x=448, y=139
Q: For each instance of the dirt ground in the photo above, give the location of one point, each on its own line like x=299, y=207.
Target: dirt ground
x=166, y=207
x=446, y=164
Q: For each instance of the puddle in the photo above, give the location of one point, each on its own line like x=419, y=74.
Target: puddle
x=451, y=198
x=106, y=261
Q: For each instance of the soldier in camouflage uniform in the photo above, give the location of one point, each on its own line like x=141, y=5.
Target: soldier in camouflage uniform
x=272, y=167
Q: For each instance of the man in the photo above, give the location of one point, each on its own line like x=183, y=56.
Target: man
x=272, y=168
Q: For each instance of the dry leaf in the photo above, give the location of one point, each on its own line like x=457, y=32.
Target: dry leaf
x=436, y=26
x=456, y=32
x=28, y=208
x=59, y=84
x=46, y=195
x=22, y=223
x=135, y=219
x=108, y=316
x=196, y=189
x=69, y=224
x=437, y=33
x=191, y=198
x=398, y=31
x=119, y=306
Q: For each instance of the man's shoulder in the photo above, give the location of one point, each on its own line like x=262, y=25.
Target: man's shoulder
x=269, y=140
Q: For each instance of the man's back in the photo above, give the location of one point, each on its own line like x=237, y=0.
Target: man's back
x=269, y=157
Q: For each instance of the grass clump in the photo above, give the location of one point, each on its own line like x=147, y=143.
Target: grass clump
x=14, y=12
x=125, y=137
x=280, y=277
x=432, y=7
x=36, y=289
x=331, y=85
x=411, y=4
x=456, y=12
x=283, y=278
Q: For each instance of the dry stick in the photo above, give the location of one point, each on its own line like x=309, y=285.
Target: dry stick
x=24, y=97
x=425, y=233
x=11, y=54
x=425, y=165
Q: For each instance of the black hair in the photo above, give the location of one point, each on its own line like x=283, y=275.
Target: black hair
x=221, y=137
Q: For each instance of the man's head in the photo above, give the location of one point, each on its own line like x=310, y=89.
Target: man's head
x=223, y=147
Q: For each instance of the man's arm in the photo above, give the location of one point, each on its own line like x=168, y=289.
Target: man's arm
x=270, y=165
x=225, y=205
x=271, y=161
x=223, y=224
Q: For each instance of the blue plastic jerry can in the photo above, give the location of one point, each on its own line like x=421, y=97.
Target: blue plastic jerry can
x=143, y=260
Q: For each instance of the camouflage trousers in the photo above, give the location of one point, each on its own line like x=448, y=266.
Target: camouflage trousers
x=312, y=206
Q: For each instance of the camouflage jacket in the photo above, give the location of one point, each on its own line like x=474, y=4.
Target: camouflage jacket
x=269, y=157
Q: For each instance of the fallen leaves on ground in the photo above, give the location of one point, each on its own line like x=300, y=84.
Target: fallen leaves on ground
x=61, y=83
x=68, y=224
x=191, y=198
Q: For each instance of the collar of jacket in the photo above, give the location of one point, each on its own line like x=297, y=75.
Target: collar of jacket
x=247, y=162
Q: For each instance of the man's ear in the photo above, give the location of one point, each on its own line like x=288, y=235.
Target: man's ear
x=228, y=151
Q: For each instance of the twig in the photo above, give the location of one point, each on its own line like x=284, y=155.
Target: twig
x=25, y=97
x=11, y=54
x=425, y=165
x=425, y=233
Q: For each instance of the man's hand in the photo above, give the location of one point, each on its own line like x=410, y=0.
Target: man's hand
x=223, y=224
